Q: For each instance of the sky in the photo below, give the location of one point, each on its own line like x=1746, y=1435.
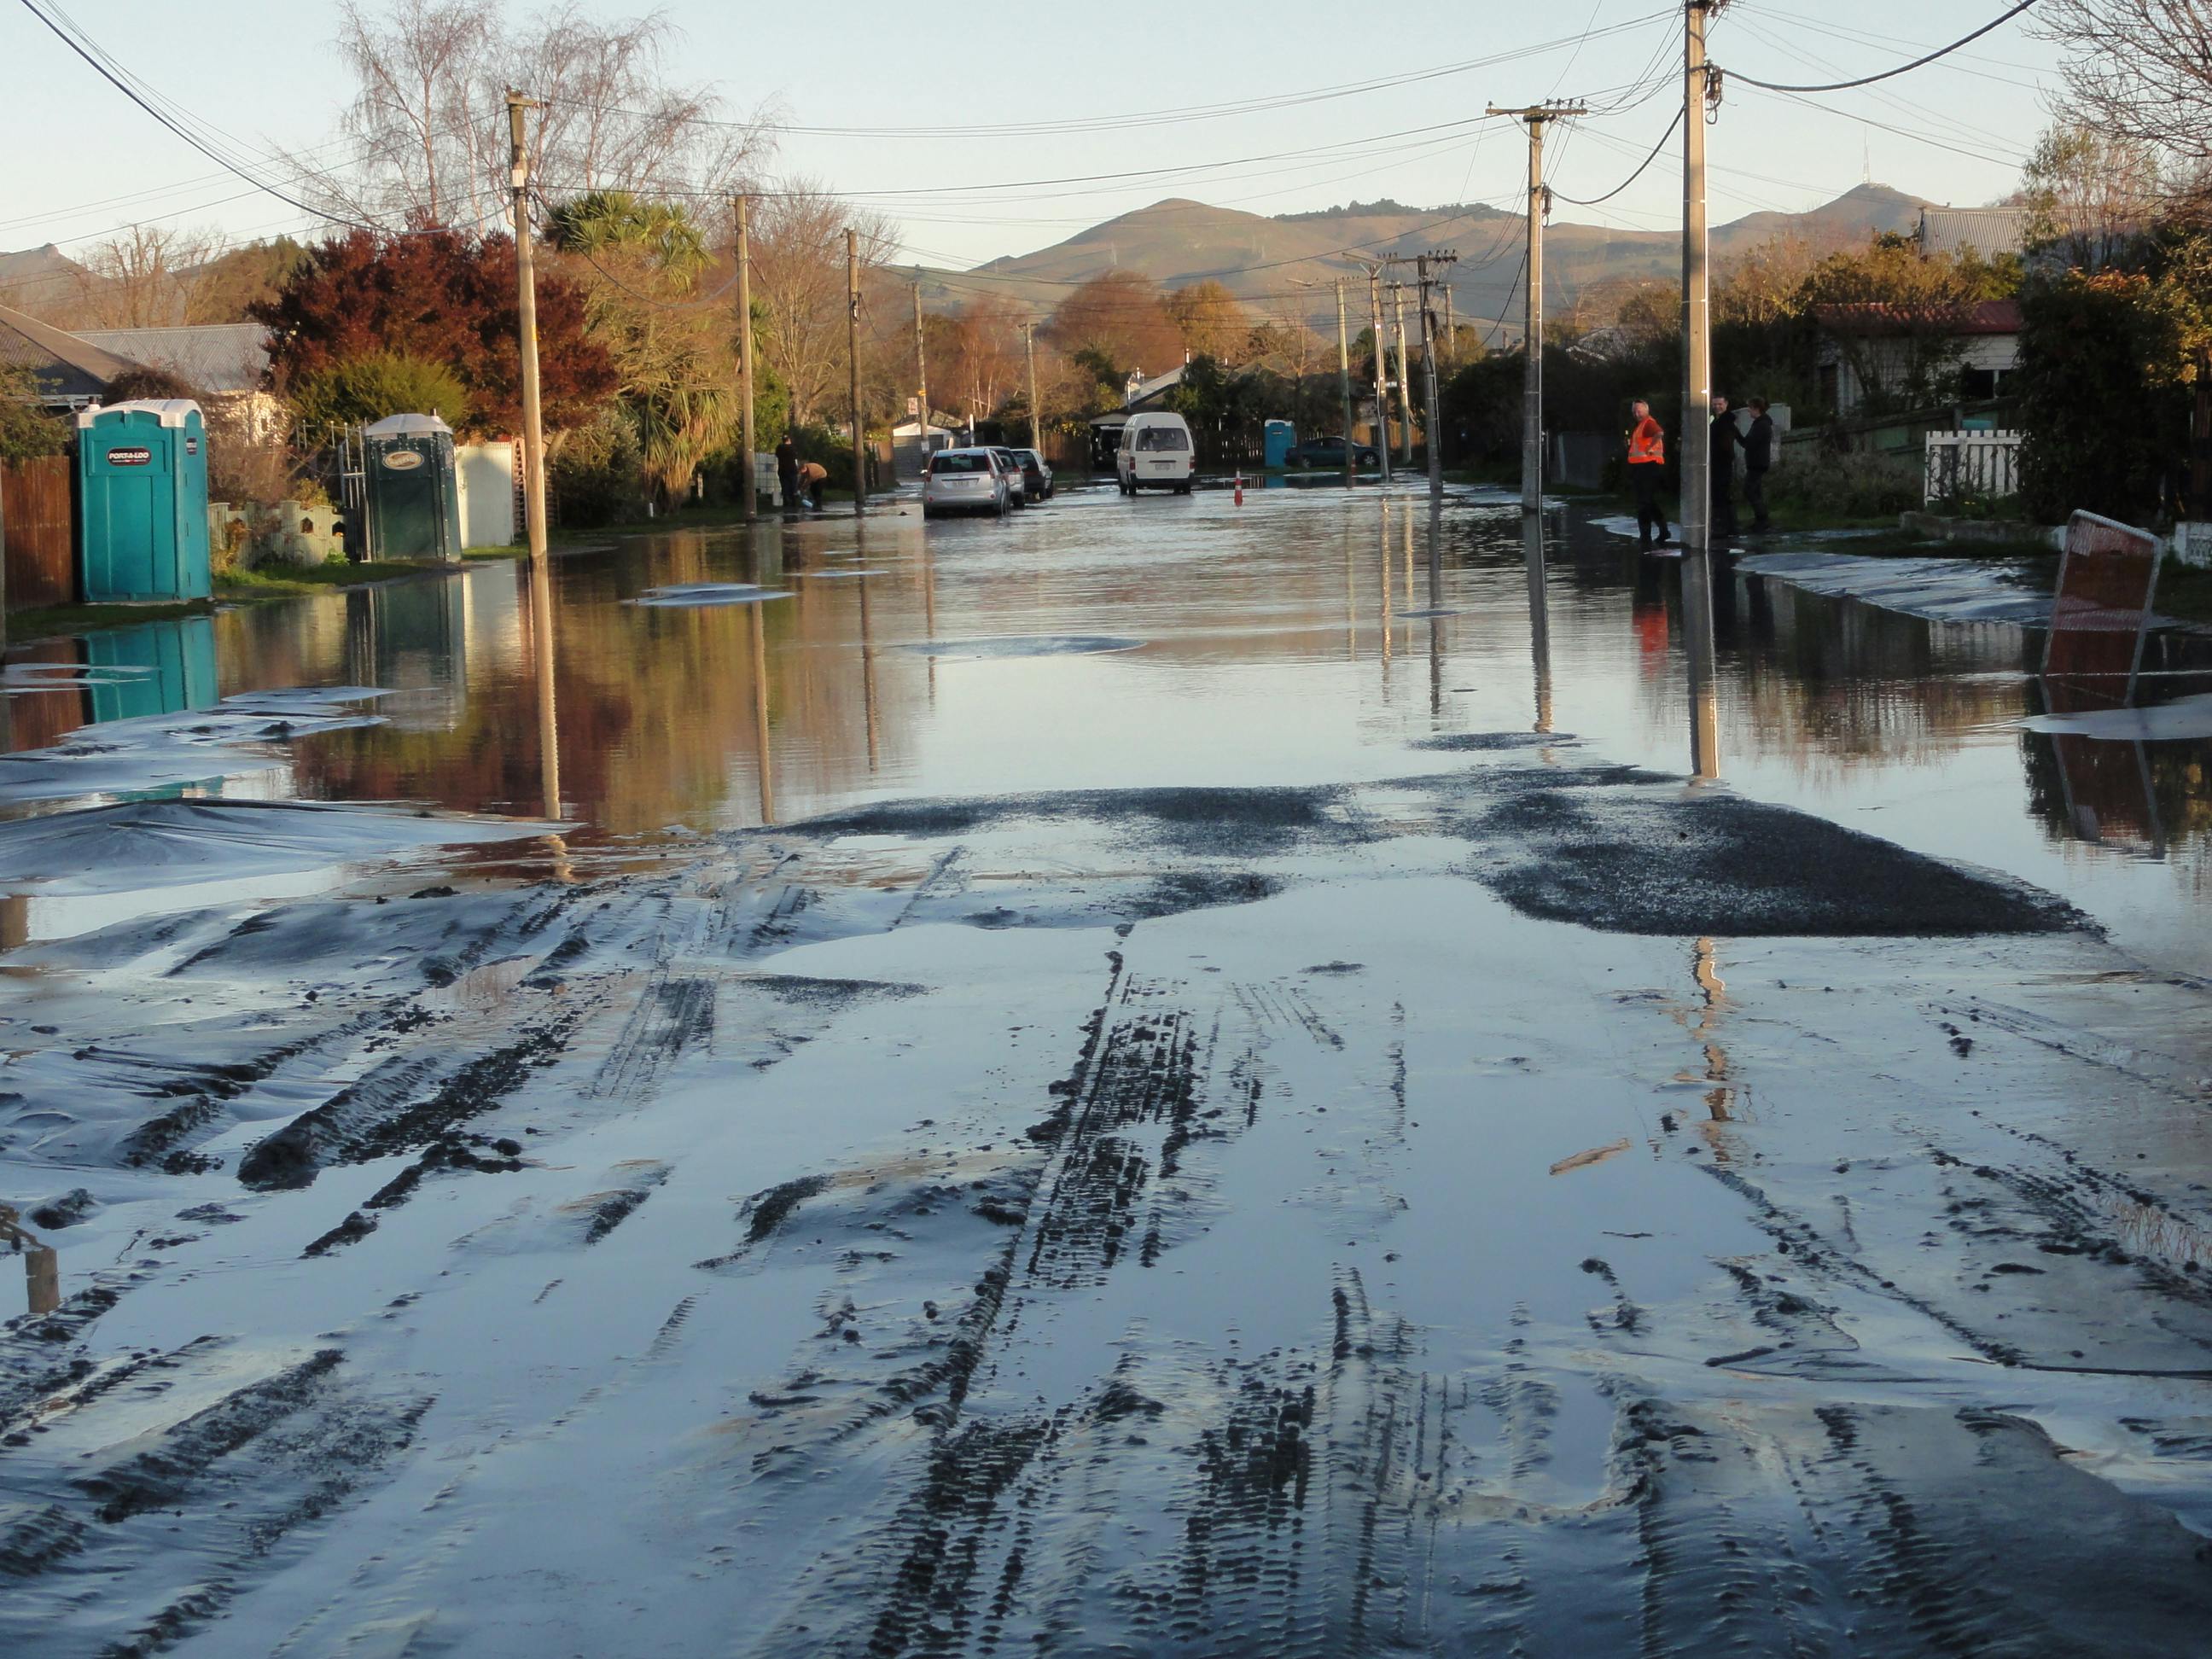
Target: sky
x=85, y=160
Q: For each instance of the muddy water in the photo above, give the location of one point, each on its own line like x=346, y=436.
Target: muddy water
x=1156, y=1078
x=1298, y=639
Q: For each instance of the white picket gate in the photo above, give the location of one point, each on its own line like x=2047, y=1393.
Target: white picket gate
x=1970, y=463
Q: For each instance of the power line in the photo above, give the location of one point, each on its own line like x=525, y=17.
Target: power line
x=1902, y=69
x=1593, y=200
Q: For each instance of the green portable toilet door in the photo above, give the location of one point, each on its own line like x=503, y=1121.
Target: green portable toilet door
x=407, y=502
x=130, y=506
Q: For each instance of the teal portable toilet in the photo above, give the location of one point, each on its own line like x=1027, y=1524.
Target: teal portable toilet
x=143, y=501
x=414, y=499
x=159, y=668
x=1276, y=439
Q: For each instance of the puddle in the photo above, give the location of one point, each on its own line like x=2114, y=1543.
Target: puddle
x=1069, y=645
x=695, y=594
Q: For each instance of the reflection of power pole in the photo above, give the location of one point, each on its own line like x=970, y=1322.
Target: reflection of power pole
x=1532, y=344
x=525, y=285
x=746, y=354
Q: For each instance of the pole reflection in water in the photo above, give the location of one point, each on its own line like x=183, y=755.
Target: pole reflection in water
x=1351, y=596
x=1435, y=606
x=1383, y=542
x=868, y=670
x=762, y=757
x=540, y=578
x=1703, y=1023
x=1539, y=615
x=1697, y=642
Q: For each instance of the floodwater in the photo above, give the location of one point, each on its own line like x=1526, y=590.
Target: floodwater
x=1156, y=1078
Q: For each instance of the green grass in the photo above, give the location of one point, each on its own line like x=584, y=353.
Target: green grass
x=46, y=621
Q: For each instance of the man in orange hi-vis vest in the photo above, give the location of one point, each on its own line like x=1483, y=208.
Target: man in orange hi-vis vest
x=1647, y=465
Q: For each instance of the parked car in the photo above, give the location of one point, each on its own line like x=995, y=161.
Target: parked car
x=1017, y=486
x=1329, y=452
x=965, y=481
x=1156, y=454
x=1037, y=477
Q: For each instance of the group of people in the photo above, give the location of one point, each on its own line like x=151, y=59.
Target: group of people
x=1647, y=465
x=793, y=476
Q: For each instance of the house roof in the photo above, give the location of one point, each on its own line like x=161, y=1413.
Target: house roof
x=213, y=357
x=64, y=365
x=1988, y=231
x=1876, y=317
x=1146, y=392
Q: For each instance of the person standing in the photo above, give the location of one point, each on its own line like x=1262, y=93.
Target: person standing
x=1647, y=465
x=1726, y=437
x=1757, y=457
x=786, y=473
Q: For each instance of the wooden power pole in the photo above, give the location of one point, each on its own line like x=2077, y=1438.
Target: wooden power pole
x=1036, y=416
x=852, y=354
x=1429, y=370
x=1697, y=319
x=920, y=379
x=525, y=287
x=1381, y=394
x=750, y=484
x=1532, y=344
x=1405, y=378
x=1344, y=378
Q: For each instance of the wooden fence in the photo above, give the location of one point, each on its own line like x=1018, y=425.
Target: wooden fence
x=41, y=538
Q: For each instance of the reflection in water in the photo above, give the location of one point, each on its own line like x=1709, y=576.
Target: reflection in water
x=1539, y=615
x=1436, y=610
x=1702, y=1023
x=763, y=751
x=2106, y=793
x=1697, y=647
x=540, y=581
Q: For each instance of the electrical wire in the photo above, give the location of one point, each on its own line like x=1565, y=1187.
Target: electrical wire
x=1672, y=127
x=1886, y=74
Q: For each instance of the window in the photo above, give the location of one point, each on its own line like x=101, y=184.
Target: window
x=958, y=461
x=1162, y=438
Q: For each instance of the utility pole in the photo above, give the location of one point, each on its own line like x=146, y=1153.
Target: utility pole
x=526, y=286
x=1405, y=376
x=1381, y=396
x=1036, y=416
x=1451, y=334
x=750, y=483
x=922, y=381
x=1344, y=378
x=853, y=356
x=1697, y=320
x=1532, y=344
x=1429, y=369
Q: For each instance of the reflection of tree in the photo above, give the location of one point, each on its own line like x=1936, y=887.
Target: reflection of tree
x=657, y=706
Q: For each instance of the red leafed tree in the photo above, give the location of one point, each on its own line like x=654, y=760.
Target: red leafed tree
x=446, y=298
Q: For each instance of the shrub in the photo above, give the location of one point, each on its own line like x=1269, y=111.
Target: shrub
x=595, y=474
x=1829, y=483
x=368, y=388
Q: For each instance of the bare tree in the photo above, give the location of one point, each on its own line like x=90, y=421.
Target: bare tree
x=429, y=111
x=798, y=283
x=2139, y=70
x=2090, y=194
x=148, y=276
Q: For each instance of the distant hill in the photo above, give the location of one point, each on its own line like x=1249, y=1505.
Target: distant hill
x=39, y=280
x=1259, y=258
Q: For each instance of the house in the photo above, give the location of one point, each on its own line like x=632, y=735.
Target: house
x=224, y=363
x=69, y=371
x=1990, y=231
x=1139, y=394
x=1962, y=353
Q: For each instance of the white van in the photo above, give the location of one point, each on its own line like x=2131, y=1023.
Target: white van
x=1155, y=454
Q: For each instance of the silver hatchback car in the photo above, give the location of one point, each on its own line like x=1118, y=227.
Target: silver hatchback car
x=965, y=481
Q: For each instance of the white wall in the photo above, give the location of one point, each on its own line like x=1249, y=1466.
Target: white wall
x=485, y=473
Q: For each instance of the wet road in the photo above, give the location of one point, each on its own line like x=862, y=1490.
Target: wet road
x=1155, y=1078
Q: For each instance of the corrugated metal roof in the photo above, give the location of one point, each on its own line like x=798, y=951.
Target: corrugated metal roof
x=1876, y=317
x=65, y=365
x=209, y=356
x=1988, y=231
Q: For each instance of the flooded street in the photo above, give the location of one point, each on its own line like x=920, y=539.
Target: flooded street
x=1156, y=1078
